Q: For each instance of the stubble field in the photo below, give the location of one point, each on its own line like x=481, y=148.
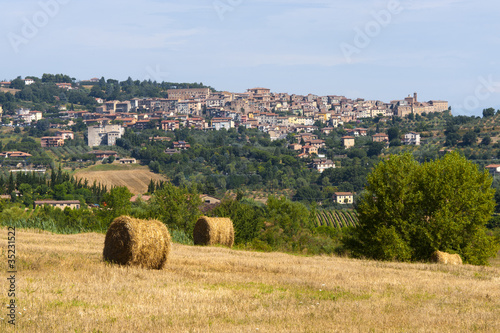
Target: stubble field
x=62, y=285
x=135, y=177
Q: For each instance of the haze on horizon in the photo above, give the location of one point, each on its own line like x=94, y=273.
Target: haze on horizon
x=384, y=50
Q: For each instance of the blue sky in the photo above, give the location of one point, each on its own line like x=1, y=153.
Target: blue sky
x=442, y=49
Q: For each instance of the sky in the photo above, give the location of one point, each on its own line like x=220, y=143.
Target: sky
x=373, y=49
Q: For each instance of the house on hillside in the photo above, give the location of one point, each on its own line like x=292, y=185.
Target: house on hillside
x=412, y=138
x=349, y=141
x=380, y=137
x=219, y=123
x=309, y=150
x=62, y=204
x=66, y=135
x=51, y=141
x=14, y=154
x=128, y=161
x=494, y=169
x=181, y=145
x=357, y=132
x=170, y=125
x=321, y=164
x=343, y=198
x=208, y=199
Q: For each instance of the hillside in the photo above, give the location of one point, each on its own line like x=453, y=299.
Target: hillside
x=135, y=177
x=62, y=286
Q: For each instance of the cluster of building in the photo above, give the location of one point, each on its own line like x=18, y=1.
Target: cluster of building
x=349, y=141
x=275, y=113
x=26, y=116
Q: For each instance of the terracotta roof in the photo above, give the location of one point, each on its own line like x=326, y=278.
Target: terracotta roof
x=343, y=193
x=66, y=202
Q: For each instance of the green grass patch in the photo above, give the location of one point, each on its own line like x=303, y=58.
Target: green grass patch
x=301, y=294
x=69, y=304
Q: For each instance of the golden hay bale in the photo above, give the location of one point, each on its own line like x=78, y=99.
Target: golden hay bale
x=131, y=241
x=213, y=230
x=446, y=258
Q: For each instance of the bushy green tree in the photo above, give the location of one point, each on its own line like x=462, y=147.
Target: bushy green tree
x=486, y=141
x=178, y=207
x=409, y=210
x=469, y=138
x=247, y=216
x=489, y=112
x=118, y=200
x=393, y=133
x=287, y=215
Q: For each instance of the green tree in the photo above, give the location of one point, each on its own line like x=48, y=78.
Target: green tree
x=393, y=133
x=469, y=138
x=452, y=139
x=375, y=149
x=490, y=112
x=118, y=200
x=486, y=141
x=395, y=143
x=178, y=207
x=287, y=215
x=409, y=210
x=247, y=217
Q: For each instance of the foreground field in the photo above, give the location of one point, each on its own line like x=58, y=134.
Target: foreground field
x=63, y=286
x=135, y=177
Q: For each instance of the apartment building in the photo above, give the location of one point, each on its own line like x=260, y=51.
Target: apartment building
x=102, y=135
x=220, y=123
x=52, y=141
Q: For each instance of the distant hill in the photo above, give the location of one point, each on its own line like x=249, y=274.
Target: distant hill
x=135, y=177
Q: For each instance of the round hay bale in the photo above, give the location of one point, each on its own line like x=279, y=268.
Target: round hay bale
x=144, y=243
x=213, y=230
x=446, y=258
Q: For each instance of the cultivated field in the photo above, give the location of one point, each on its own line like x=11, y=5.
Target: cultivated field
x=9, y=90
x=63, y=286
x=135, y=177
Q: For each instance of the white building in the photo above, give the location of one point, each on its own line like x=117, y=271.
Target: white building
x=323, y=164
x=412, y=138
x=104, y=135
x=219, y=123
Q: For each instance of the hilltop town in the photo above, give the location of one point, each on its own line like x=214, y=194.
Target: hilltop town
x=277, y=114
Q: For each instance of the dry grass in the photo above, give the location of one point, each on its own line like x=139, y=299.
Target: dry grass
x=64, y=286
x=135, y=177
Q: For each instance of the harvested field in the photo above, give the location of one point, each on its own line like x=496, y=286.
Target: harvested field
x=135, y=177
x=63, y=285
x=9, y=90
